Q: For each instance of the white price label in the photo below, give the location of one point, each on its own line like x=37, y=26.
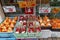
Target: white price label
x=44, y=9
x=9, y=9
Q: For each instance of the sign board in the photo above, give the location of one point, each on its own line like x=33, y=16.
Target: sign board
x=31, y=3
x=22, y=4
x=44, y=9
x=9, y=9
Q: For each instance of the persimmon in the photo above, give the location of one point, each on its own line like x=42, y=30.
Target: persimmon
x=55, y=10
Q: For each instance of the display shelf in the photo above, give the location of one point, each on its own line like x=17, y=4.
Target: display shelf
x=45, y=28
x=56, y=30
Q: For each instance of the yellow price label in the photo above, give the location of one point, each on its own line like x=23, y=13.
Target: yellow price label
x=22, y=4
x=31, y=4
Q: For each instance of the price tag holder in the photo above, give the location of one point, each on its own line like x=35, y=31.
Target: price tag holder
x=8, y=9
x=44, y=9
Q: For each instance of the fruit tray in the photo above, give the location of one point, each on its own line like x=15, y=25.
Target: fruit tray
x=26, y=34
x=19, y=35
x=6, y=34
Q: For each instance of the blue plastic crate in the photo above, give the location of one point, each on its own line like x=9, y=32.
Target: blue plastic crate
x=7, y=39
x=12, y=37
x=5, y=34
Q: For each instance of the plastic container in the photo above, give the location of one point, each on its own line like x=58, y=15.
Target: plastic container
x=12, y=37
x=6, y=34
x=19, y=35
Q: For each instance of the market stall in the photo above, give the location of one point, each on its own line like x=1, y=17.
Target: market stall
x=30, y=19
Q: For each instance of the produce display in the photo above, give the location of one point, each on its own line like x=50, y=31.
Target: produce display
x=21, y=25
x=55, y=10
x=55, y=23
x=44, y=22
x=28, y=24
x=8, y=24
x=33, y=23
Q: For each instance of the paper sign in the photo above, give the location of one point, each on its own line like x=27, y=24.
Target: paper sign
x=9, y=9
x=22, y=4
x=31, y=3
x=44, y=9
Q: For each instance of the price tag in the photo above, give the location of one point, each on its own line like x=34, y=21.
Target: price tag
x=44, y=9
x=9, y=9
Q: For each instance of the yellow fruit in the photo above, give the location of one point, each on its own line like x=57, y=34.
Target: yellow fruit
x=12, y=25
x=13, y=21
x=9, y=29
x=10, y=20
x=15, y=18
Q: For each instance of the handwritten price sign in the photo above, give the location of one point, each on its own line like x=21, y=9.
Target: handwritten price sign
x=9, y=9
x=24, y=4
x=44, y=9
